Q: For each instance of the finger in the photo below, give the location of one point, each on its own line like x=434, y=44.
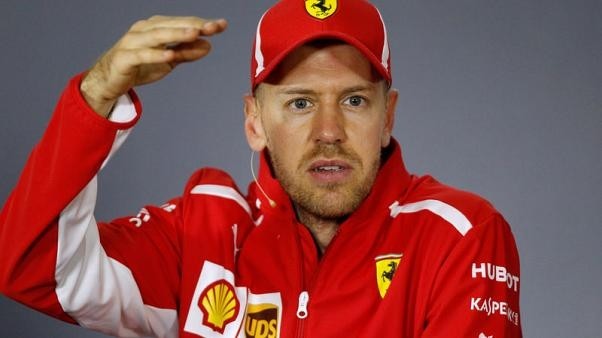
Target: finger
x=214, y=27
x=191, y=51
x=125, y=61
x=164, y=18
x=176, y=22
x=158, y=37
x=167, y=21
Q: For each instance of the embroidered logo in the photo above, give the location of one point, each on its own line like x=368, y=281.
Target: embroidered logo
x=320, y=9
x=219, y=305
x=386, y=266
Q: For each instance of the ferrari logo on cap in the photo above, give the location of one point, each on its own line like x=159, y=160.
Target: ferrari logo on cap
x=321, y=9
x=386, y=266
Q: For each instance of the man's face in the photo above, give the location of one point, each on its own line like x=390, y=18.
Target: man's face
x=324, y=116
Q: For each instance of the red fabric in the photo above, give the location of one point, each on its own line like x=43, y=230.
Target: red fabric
x=28, y=219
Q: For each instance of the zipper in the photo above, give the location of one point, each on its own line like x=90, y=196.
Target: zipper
x=302, y=311
x=302, y=305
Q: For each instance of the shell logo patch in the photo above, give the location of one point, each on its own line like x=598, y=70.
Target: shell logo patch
x=219, y=305
x=386, y=266
x=321, y=9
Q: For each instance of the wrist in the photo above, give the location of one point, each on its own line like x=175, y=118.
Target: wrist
x=89, y=90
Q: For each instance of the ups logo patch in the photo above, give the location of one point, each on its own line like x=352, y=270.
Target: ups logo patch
x=321, y=9
x=261, y=321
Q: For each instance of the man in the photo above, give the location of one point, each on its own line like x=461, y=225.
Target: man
x=334, y=239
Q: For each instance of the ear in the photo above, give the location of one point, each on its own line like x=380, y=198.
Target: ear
x=253, y=126
x=390, y=106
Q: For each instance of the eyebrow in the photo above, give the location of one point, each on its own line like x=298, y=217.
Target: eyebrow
x=306, y=91
x=297, y=90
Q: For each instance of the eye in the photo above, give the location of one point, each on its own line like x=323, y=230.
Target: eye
x=300, y=104
x=355, y=101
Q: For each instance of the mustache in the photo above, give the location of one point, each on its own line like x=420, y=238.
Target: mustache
x=331, y=150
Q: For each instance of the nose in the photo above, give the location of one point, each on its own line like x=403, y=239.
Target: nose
x=329, y=125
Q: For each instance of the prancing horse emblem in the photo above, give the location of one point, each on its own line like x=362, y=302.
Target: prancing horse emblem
x=321, y=5
x=389, y=273
x=386, y=267
x=320, y=9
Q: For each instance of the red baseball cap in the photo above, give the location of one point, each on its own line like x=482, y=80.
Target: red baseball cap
x=291, y=23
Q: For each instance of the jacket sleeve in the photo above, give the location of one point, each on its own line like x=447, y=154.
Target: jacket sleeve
x=119, y=277
x=476, y=293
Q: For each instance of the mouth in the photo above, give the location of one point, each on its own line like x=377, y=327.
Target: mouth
x=328, y=168
x=330, y=171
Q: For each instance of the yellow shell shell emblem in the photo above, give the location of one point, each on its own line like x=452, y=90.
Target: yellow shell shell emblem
x=320, y=9
x=386, y=267
x=219, y=305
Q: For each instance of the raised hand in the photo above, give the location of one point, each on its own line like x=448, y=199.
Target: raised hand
x=149, y=51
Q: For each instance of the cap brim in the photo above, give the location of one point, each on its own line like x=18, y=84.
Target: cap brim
x=376, y=63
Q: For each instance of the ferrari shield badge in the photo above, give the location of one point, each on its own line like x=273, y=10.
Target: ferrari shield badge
x=320, y=9
x=386, y=266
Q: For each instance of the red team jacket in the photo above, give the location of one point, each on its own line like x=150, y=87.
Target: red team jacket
x=416, y=259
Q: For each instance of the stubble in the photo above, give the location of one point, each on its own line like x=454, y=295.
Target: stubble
x=327, y=201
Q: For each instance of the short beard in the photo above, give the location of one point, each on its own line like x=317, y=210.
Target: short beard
x=332, y=201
